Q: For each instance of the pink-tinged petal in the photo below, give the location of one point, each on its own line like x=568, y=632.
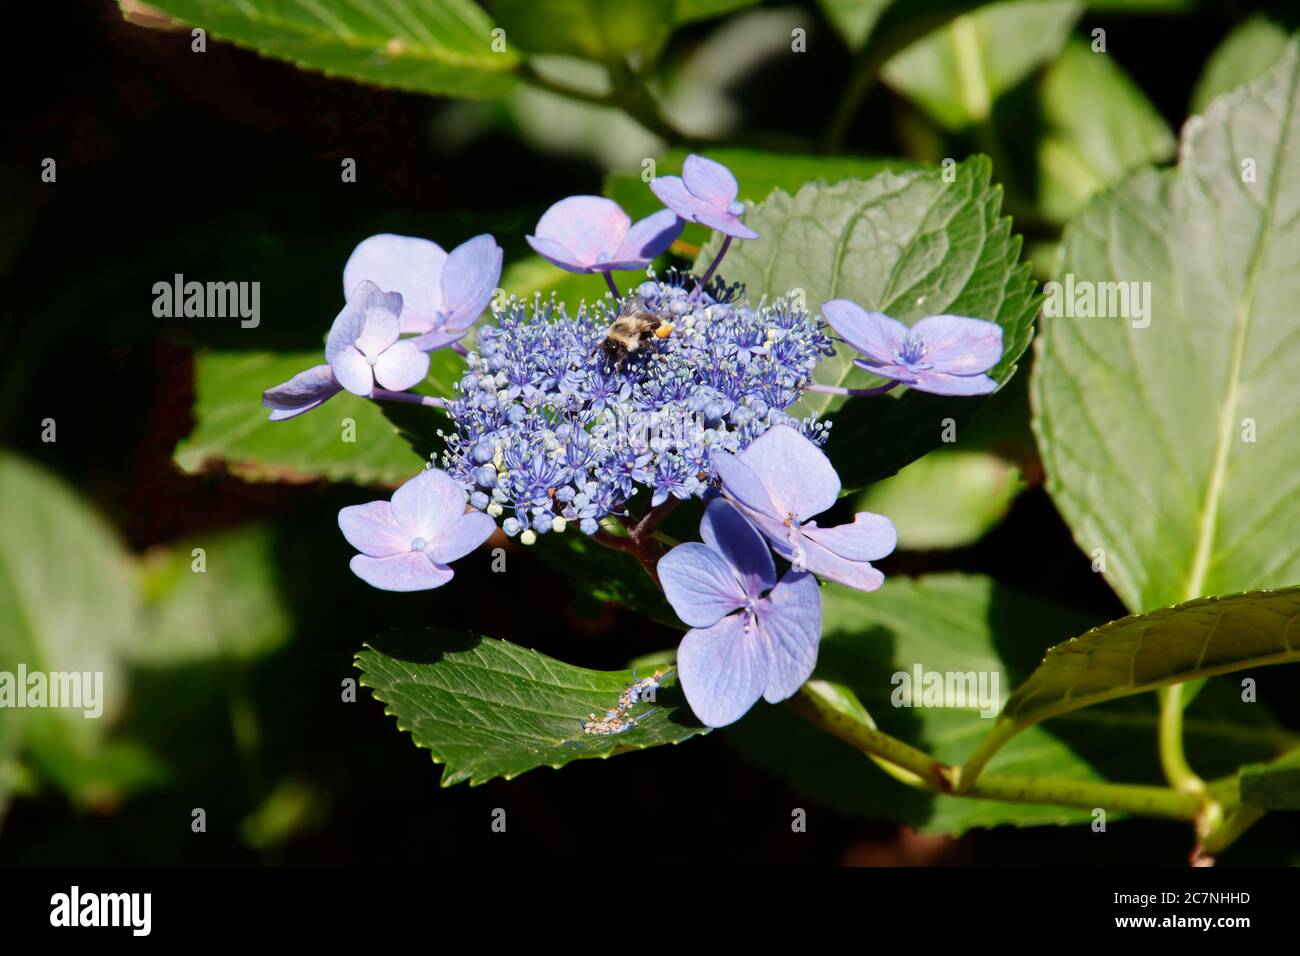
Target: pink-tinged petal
x=961, y=346
x=401, y=366
x=799, y=478
x=438, y=338
x=829, y=566
x=874, y=334
x=726, y=223
x=301, y=393
x=372, y=530
x=790, y=621
x=728, y=532
x=650, y=237
x=469, y=280
x=899, y=373
x=379, y=330
x=672, y=192
x=427, y=505
x=723, y=669
x=869, y=538
x=353, y=371
x=699, y=584
x=351, y=320
x=587, y=226
x=741, y=483
x=710, y=181
x=402, y=572
x=557, y=255
x=462, y=537
x=407, y=265
x=941, y=383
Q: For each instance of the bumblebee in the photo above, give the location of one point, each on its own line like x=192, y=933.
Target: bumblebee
x=627, y=334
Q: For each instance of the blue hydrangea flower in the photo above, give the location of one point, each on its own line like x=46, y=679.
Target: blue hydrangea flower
x=706, y=193
x=593, y=234
x=442, y=294
x=751, y=636
x=302, y=393
x=779, y=482
x=942, y=354
x=363, y=347
x=406, y=544
x=566, y=435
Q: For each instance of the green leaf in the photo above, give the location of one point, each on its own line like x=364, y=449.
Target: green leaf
x=1141, y=652
x=600, y=30
x=601, y=576
x=908, y=244
x=487, y=708
x=687, y=11
x=854, y=20
x=1166, y=436
x=233, y=428
x=430, y=46
x=527, y=277
x=1100, y=125
x=1246, y=53
x=1273, y=786
x=957, y=72
x=948, y=499
x=962, y=624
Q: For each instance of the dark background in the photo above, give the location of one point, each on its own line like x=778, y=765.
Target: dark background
x=226, y=163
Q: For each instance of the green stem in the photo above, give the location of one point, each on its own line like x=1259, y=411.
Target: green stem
x=1172, y=758
x=1220, y=837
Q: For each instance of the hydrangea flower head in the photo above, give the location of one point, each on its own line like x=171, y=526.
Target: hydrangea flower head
x=442, y=294
x=942, y=354
x=363, y=348
x=549, y=430
x=751, y=636
x=593, y=234
x=706, y=193
x=407, y=543
x=781, y=481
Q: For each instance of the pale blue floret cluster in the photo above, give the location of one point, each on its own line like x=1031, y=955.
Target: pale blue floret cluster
x=550, y=432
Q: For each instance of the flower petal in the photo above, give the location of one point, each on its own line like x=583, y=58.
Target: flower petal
x=379, y=330
x=428, y=505
x=874, y=334
x=469, y=280
x=301, y=393
x=727, y=223
x=723, y=669
x=372, y=530
x=401, y=366
x=587, y=226
x=462, y=537
x=407, y=265
x=899, y=373
x=710, y=181
x=438, y=338
x=962, y=346
x=650, y=237
x=411, y=571
x=728, y=532
x=742, y=483
x=557, y=255
x=829, y=566
x=790, y=622
x=351, y=320
x=799, y=478
x=699, y=584
x=353, y=371
x=869, y=538
x=942, y=383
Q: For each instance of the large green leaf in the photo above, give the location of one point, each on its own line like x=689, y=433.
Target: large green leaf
x=1244, y=55
x=488, y=708
x=1167, y=436
x=431, y=46
x=1274, y=785
x=969, y=624
x=957, y=72
x=233, y=428
x=908, y=244
x=1099, y=126
x=687, y=11
x=600, y=30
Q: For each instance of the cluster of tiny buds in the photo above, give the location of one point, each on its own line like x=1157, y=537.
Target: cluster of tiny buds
x=616, y=719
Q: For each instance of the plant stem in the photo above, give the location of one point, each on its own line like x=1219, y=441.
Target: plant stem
x=1220, y=837
x=641, y=541
x=726, y=244
x=609, y=281
x=1172, y=758
x=383, y=395
x=840, y=390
